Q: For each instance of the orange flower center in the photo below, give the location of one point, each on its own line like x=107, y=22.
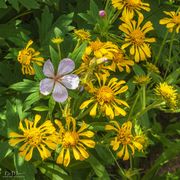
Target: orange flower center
x=70, y=139
x=96, y=45
x=176, y=19
x=133, y=3
x=105, y=94
x=137, y=37
x=118, y=57
x=124, y=136
x=25, y=56
x=33, y=136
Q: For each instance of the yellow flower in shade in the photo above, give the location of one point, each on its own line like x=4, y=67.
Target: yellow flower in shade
x=73, y=142
x=135, y=38
x=167, y=93
x=33, y=137
x=57, y=40
x=152, y=68
x=142, y=79
x=105, y=97
x=121, y=61
x=124, y=142
x=130, y=6
x=82, y=35
x=173, y=22
x=27, y=57
x=100, y=49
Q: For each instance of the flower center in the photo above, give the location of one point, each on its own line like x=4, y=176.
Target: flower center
x=25, y=56
x=105, y=94
x=96, y=45
x=33, y=136
x=118, y=57
x=133, y=3
x=124, y=137
x=137, y=37
x=176, y=19
x=70, y=139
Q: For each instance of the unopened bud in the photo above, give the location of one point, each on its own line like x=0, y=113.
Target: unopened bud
x=102, y=13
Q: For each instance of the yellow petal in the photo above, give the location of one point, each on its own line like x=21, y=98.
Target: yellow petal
x=67, y=158
x=119, y=110
x=37, y=118
x=121, y=152
x=126, y=155
x=13, y=142
x=60, y=157
x=83, y=152
x=88, y=142
x=76, y=153
x=87, y=134
x=86, y=103
x=93, y=110
x=109, y=111
x=29, y=154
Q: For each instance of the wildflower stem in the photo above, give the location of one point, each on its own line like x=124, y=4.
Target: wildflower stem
x=132, y=108
x=59, y=50
x=143, y=97
x=131, y=162
x=161, y=48
x=170, y=52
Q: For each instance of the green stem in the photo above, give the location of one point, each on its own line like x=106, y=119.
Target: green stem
x=170, y=52
x=134, y=104
x=143, y=97
x=161, y=48
x=131, y=162
x=59, y=50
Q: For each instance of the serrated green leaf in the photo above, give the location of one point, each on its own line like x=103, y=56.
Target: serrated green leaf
x=38, y=71
x=32, y=98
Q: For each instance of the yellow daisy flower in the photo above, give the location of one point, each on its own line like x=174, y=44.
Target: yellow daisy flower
x=121, y=61
x=135, y=38
x=57, y=40
x=71, y=140
x=105, y=97
x=167, y=93
x=40, y=137
x=173, y=22
x=27, y=57
x=82, y=35
x=142, y=79
x=100, y=49
x=128, y=7
x=124, y=142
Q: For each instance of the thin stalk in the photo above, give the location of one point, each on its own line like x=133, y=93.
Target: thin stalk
x=131, y=162
x=170, y=53
x=161, y=48
x=143, y=97
x=133, y=106
x=59, y=50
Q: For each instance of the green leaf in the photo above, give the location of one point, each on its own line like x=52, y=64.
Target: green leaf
x=173, y=77
x=14, y=4
x=5, y=150
x=78, y=53
x=138, y=70
x=24, y=169
x=3, y=4
x=38, y=71
x=98, y=168
x=27, y=86
x=29, y=4
x=54, y=57
x=11, y=116
x=41, y=108
x=32, y=98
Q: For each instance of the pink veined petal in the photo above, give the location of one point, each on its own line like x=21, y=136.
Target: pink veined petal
x=71, y=81
x=60, y=93
x=48, y=69
x=46, y=86
x=66, y=66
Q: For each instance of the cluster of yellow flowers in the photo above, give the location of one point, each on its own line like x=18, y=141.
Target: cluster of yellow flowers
x=106, y=93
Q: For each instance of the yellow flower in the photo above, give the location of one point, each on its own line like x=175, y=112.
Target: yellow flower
x=27, y=57
x=142, y=79
x=100, y=49
x=57, y=40
x=82, y=35
x=152, y=68
x=128, y=7
x=167, y=93
x=124, y=142
x=135, y=38
x=41, y=137
x=105, y=97
x=73, y=141
x=121, y=61
x=173, y=22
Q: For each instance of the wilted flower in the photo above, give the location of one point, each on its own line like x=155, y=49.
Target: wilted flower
x=142, y=79
x=124, y=142
x=82, y=35
x=173, y=22
x=60, y=81
x=27, y=56
x=73, y=141
x=152, y=68
x=43, y=138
